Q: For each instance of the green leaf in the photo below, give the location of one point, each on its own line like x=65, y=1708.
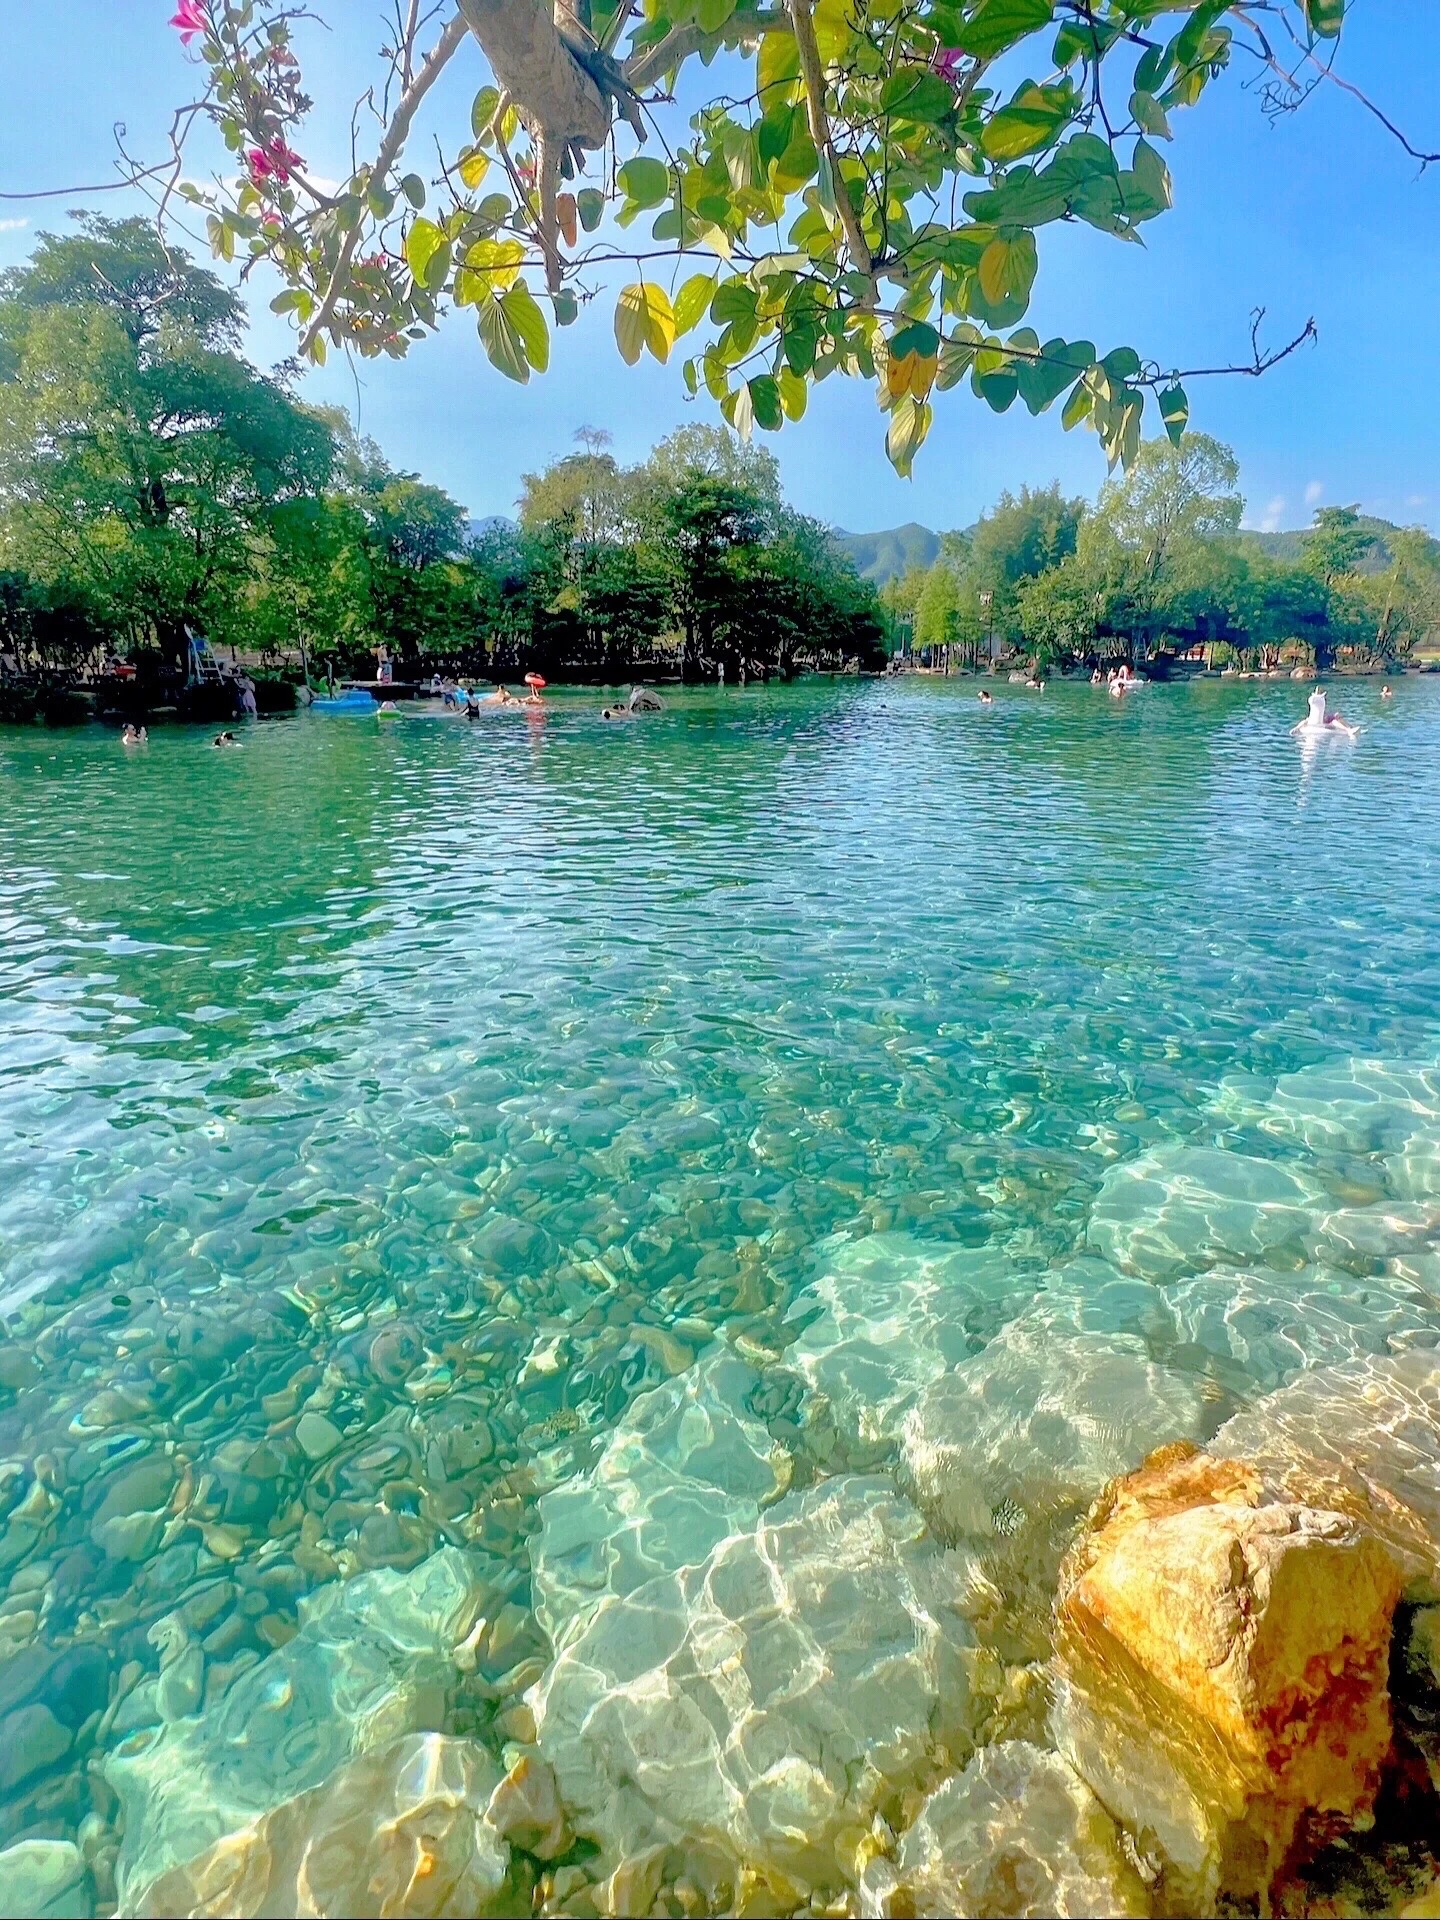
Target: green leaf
x=482, y=111
x=997, y=24
x=1043, y=379
x=1175, y=411
x=222, y=237
x=775, y=132
x=501, y=338
x=712, y=14
x=474, y=166
x=798, y=163
x=1325, y=17
x=794, y=394
x=644, y=182
x=1121, y=363
x=524, y=314
x=915, y=93
x=909, y=424
x=765, y=402
x=1077, y=407
x=566, y=306
x=1187, y=43
x=1152, y=68
x=1147, y=184
x=1032, y=120
x=427, y=253
x=644, y=318
x=1007, y=268
x=1147, y=112
x=693, y=302
x=591, y=204
x=777, y=69
x=413, y=188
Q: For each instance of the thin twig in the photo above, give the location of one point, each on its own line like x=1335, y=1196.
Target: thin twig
x=454, y=35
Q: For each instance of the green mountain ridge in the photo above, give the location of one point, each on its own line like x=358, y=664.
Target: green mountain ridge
x=893, y=551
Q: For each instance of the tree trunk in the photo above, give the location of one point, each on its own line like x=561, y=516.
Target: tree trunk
x=551, y=91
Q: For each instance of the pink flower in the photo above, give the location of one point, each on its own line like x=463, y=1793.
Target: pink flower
x=946, y=63
x=274, y=161
x=189, y=17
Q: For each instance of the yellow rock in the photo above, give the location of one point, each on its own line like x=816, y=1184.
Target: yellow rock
x=1222, y=1672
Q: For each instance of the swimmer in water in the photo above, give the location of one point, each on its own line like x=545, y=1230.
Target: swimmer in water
x=133, y=736
x=1386, y=694
x=1319, y=719
x=226, y=739
x=987, y=699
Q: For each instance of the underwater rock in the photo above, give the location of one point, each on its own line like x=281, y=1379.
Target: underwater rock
x=1349, y=1106
x=400, y=1831
x=1017, y=1833
x=44, y=1880
x=1037, y=1424
x=1222, y=1673
x=1275, y=1325
x=685, y=1467
x=1177, y=1208
x=897, y=1313
x=762, y=1706
x=1362, y=1439
x=372, y=1661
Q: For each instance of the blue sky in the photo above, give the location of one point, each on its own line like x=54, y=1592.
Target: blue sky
x=1321, y=214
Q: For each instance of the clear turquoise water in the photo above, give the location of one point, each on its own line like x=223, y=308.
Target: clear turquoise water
x=373, y=1057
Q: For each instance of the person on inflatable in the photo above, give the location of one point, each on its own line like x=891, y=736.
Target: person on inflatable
x=1320, y=719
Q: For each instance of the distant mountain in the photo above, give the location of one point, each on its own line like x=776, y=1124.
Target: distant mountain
x=881, y=556
x=492, y=523
x=1287, y=545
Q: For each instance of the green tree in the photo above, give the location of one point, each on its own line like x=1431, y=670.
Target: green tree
x=861, y=190
x=1171, y=498
x=1335, y=544
x=141, y=458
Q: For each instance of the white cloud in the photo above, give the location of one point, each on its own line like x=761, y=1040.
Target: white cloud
x=1314, y=492
x=12, y=226
x=1414, y=499
x=1270, y=519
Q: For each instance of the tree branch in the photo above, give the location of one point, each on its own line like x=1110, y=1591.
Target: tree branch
x=813, y=76
x=389, y=151
x=645, y=68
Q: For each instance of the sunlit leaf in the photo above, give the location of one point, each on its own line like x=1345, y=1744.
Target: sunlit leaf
x=1007, y=267
x=644, y=318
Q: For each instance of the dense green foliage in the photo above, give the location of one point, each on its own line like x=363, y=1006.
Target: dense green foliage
x=863, y=191
x=151, y=481
x=1159, y=566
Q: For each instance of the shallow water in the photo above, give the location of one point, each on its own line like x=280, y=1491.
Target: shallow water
x=386, y=1106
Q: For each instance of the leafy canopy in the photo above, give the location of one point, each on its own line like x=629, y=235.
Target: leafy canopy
x=864, y=190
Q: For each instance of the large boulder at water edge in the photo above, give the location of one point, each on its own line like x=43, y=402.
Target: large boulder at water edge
x=373, y=1660
x=402, y=1831
x=685, y=1468
x=1222, y=1673
x=1017, y=1833
x=1364, y=1439
x=756, y=1711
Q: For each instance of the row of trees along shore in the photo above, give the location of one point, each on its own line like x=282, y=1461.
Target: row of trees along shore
x=152, y=480
x=1159, y=569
